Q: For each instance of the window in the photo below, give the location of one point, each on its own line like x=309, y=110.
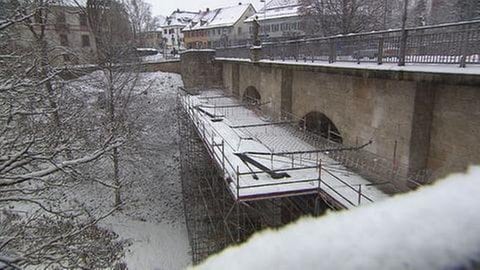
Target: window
x=64, y=40
x=61, y=19
x=171, y=31
x=83, y=20
x=85, y=41
x=239, y=30
x=265, y=28
x=165, y=31
x=301, y=25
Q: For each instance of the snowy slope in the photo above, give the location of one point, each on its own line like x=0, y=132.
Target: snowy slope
x=152, y=220
x=436, y=227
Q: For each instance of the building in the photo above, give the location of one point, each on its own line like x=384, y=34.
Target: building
x=68, y=33
x=173, y=26
x=279, y=19
x=151, y=39
x=219, y=27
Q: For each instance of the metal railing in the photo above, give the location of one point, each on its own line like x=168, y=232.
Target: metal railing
x=453, y=43
x=391, y=175
x=216, y=146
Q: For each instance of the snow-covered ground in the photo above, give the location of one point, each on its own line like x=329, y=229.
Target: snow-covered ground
x=436, y=227
x=154, y=245
x=153, y=219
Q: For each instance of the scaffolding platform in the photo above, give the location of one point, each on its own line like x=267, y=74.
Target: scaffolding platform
x=261, y=158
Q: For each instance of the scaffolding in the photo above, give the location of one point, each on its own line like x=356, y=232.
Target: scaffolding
x=243, y=171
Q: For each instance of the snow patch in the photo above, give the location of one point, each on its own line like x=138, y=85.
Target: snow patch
x=437, y=227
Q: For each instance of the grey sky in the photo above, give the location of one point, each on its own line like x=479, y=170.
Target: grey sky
x=165, y=7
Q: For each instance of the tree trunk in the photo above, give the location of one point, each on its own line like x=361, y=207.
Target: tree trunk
x=113, y=131
x=116, y=177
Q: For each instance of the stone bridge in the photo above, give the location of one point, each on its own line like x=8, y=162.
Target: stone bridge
x=420, y=118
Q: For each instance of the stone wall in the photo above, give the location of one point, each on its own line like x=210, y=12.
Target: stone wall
x=420, y=120
x=362, y=109
x=173, y=66
x=199, y=69
x=455, y=135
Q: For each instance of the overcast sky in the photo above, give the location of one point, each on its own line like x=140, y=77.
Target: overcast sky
x=165, y=7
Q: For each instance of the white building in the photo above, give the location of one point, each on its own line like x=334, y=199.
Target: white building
x=279, y=19
x=172, y=28
x=219, y=27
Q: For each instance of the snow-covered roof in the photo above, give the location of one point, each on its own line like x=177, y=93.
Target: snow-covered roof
x=220, y=17
x=180, y=18
x=276, y=9
x=273, y=4
x=161, y=21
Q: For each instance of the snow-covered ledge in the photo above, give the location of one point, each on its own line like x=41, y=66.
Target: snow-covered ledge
x=437, y=227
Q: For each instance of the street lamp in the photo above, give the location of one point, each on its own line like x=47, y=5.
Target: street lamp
x=264, y=17
x=403, y=40
x=385, y=14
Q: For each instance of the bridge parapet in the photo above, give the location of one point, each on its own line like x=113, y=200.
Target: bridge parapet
x=452, y=43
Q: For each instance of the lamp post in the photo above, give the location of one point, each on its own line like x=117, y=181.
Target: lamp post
x=385, y=14
x=264, y=17
x=403, y=41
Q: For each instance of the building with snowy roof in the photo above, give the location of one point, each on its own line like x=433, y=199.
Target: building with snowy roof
x=173, y=25
x=279, y=19
x=219, y=27
x=67, y=31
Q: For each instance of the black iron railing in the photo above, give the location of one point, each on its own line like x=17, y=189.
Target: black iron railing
x=453, y=43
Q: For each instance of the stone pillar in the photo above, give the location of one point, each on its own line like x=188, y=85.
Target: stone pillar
x=421, y=126
x=236, y=79
x=287, y=91
x=255, y=53
x=256, y=49
x=200, y=71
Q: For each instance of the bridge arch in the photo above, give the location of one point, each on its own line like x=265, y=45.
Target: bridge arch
x=320, y=124
x=251, y=95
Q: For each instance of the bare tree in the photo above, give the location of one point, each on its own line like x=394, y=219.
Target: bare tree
x=43, y=151
x=141, y=19
x=443, y=11
x=120, y=73
x=419, y=13
x=342, y=16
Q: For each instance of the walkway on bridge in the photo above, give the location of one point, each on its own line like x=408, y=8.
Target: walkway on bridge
x=244, y=170
x=263, y=159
